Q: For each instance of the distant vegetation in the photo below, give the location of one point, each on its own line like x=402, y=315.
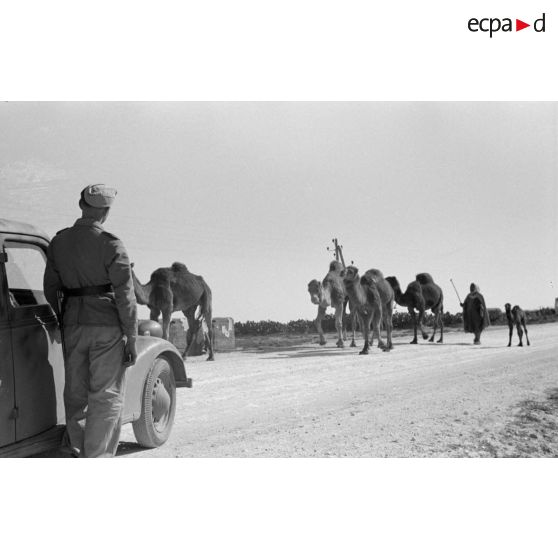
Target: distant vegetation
x=401, y=320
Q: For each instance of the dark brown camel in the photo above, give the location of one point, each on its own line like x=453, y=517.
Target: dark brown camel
x=421, y=295
x=516, y=316
x=331, y=292
x=366, y=304
x=172, y=289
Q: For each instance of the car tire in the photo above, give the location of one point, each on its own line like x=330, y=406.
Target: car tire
x=158, y=405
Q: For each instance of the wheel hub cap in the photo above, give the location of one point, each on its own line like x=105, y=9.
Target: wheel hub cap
x=161, y=403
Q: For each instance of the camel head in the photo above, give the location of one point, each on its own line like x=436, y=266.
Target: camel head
x=350, y=275
x=315, y=290
x=336, y=266
x=394, y=283
x=507, y=307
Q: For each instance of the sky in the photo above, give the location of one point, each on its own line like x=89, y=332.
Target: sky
x=250, y=194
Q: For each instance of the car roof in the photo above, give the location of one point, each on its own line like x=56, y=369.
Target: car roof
x=16, y=227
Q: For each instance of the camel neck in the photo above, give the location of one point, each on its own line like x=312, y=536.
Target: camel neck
x=356, y=292
x=141, y=291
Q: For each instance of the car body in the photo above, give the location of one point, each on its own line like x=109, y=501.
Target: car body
x=32, y=363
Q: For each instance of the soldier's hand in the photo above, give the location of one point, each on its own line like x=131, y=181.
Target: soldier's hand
x=130, y=353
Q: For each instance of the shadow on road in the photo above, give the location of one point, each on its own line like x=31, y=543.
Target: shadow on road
x=272, y=349
x=307, y=352
x=324, y=353
x=463, y=344
x=126, y=448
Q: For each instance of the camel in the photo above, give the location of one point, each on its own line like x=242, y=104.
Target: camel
x=331, y=292
x=516, y=316
x=366, y=304
x=174, y=288
x=421, y=295
x=387, y=298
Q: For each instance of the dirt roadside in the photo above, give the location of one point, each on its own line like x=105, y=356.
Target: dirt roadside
x=430, y=400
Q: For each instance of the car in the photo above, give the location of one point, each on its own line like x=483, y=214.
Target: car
x=32, y=362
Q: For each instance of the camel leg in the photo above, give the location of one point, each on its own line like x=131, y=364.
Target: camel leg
x=366, y=332
x=353, y=327
x=441, y=340
x=414, y=318
x=389, y=326
x=510, y=326
x=208, y=317
x=376, y=328
x=154, y=314
x=166, y=323
x=344, y=329
x=438, y=320
x=421, y=313
x=193, y=327
x=211, y=356
x=520, y=334
x=319, y=318
x=339, y=325
x=525, y=328
x=431, y=340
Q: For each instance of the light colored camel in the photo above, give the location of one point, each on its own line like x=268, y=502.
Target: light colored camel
x=366, y=304
x=516, y=316
x=172, y=289
x=387, y=297
x=331, y=292
x=421, y=295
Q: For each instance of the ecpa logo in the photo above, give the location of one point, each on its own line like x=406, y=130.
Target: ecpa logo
x=492, y=25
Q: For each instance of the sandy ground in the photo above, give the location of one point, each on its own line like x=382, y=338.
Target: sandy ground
x=430, y=400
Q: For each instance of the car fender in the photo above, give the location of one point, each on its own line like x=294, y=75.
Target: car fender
x=148, y=349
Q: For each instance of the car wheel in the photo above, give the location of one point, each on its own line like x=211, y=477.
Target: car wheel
x=158, y=405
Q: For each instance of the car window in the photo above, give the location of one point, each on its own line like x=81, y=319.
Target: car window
x=24, y=271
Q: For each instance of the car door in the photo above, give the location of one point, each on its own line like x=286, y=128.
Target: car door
x=7, y=394
x=37, y=360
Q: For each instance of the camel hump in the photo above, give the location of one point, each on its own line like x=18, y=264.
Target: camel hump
x=178, y=267
x=160, y=276
x=425, y=279
x=375, y=273
x=335, y=266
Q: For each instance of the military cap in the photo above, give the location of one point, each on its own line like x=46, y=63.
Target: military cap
x=98, y=195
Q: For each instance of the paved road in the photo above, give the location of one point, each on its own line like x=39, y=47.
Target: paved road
x=311, y=401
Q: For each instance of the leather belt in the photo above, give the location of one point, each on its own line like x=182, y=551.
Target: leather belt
x=88, y=291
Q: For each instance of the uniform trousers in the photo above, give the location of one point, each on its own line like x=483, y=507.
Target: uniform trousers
x=94, y=389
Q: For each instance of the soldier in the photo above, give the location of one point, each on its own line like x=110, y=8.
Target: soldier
x=88, y=270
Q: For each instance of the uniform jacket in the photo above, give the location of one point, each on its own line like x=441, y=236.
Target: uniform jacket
x=86, y=255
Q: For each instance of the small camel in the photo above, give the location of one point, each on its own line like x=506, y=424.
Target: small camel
x=331, y=292
x=421, y=295
x=174, y=288
x=516, y=316
x=366, y=304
